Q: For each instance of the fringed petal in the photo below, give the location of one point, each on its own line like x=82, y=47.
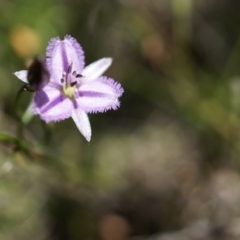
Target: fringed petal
x=61, y=53
x=99, y=95
x=51, y=105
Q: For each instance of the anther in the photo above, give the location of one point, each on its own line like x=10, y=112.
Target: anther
x=78, y=76
x=74, y=73
x=73, y=83
x=62, y=80
x=70, y=68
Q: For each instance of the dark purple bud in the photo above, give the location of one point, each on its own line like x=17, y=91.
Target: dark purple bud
x=38, y=76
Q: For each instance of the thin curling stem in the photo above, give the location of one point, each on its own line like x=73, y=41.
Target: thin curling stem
x=15, y=109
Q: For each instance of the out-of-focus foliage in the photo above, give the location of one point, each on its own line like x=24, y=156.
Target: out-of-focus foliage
x=165, y=165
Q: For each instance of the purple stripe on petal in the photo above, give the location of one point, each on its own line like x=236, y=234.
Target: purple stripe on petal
x=75, y=105
x=53, y=103
x=58, y=109
x=99, y=95
x=65, y=60
x=102, y=85
x=92, y=94
x=61, y=53
x=78, y=65
x=41, y=99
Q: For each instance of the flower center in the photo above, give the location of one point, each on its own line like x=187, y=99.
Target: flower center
x=69, y=81
x=68, y=91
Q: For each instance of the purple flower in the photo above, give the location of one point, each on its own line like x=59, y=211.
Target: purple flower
x=74, y=91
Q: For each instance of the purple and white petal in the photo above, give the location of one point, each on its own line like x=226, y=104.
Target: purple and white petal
x=99, y=95
x=82, y=122
x=96, y=69
x=61, y=53
x=22, y=75
x=52, y=105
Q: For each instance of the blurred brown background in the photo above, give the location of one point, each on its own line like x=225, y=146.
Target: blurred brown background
x=166, y=165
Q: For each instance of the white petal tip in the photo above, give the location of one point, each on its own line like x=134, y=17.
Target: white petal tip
x=82, y=122
x=16, y=74
x=22, y=75
x=109, y=59
x=108, y=62
x=88, y=138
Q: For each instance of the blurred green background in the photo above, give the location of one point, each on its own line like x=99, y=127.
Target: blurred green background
x=165, y=165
